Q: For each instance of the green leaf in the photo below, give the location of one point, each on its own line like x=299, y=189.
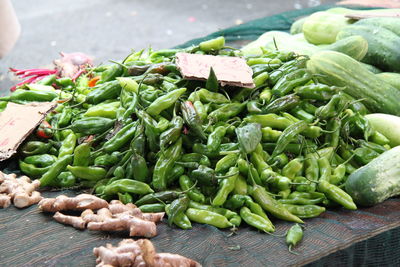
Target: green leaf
x=249, y=136
x=212, y=81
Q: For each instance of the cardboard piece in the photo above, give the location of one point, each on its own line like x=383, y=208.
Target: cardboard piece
x=229, y=70
x=17, y=122
x=372, y=15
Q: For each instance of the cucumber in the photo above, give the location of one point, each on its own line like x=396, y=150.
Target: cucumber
x=371, y=68
x=297, y=26
x=391, y=24
x=334, y=68
x=391, y=78
x=353, y=46
x=322, y=27
x=376, y=181
x=386, y=124
x=383, y=45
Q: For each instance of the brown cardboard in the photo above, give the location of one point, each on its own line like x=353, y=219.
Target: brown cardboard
x=17, y=122
x=372, y=15
x=229, y=70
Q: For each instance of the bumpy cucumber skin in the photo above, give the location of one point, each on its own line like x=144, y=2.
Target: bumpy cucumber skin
x=376, y=181
x=392, y=24
x=354, y=46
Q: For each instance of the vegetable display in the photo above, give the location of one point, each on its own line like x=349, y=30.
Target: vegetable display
x=301, y=141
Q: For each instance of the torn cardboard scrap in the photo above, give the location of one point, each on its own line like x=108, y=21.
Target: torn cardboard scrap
x=229, y=70
x=17, y=122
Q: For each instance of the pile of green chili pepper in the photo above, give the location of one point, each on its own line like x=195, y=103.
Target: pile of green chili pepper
x=201, y=152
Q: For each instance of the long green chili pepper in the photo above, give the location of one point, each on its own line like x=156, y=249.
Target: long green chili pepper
x=55, y=169
x=88, y=173
x=256, y=220
x=180, y=219
x=165, y=101
x=177, y=206
x=287, y=136
x=172, y=134
x=294, y=236
x=82, y=155
x=192, y=119
x=121, y=138
x=164, y=165
x=226, y=186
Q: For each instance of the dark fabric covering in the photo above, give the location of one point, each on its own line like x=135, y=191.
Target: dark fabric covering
x=366, y=237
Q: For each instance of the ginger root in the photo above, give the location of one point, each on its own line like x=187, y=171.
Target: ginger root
x=21, y=191
x=113, y=216
x=138, y=253
x=80, y=202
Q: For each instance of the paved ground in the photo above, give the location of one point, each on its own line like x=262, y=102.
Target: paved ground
x=109, y=29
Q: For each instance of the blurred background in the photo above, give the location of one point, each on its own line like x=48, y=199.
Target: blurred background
x=109, y=29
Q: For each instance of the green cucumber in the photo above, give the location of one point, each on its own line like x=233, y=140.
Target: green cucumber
x=383, y=45
x=354, y=46
x=391, y=78
x=376, y=181
x=371, y=68
x=392, y=24
x=386, y=124
x=338, y=69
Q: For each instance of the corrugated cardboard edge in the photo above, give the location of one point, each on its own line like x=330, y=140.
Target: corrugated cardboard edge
x=8, y=153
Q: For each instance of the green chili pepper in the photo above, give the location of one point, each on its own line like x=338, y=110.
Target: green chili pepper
x=105, y=91
x=301, y=201
x=119, y=172
x=226, y=162
x=65, y=179
x=111, y=72
x=55, y=169
x=30, y=95
x=270, y=135
x=336, y=194
x=294, y=236
x=226, y=186
x=179, y=205
x=287, y=136
x=226, y=112
x=88, y=173
x=208, y=217
x=212, y=45
x=164, y=101
x=269, y=204
x=180, y=220
x=91, y=125
x=207, y=96
x=42, y=160
x=31, y=170
x=106, y=110
x=304, y=185
x=187, y=185
x=290, y=81
x=107, y=159
x=317, y=91
x=140, y=170
x=169, y=136
x=156, y=207
x=192, y=119
x=240, y=186
x=301, y=114
x=127, y=186
x=215, y=138
x=35, y=147
x=157, y=197
x=164, y=165
x=261, y=79
x=282, y=104
x=292, y=168
x=235, y=202
x=364, y=155
x=82, y=155
x=68, y=145
x=125, y=198
x=330, y=109
x=121, y=138
x=256, y=221
x=65, y=117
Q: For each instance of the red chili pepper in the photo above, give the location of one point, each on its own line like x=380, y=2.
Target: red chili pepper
x=93, y=81
x=44, y=130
